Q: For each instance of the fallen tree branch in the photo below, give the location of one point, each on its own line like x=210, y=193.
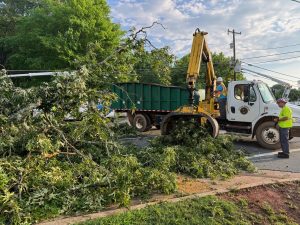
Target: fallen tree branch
x=61, y=133
x=49, y=156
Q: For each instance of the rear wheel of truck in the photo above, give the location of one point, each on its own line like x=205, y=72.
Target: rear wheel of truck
x=267, y=135
x=142, y=122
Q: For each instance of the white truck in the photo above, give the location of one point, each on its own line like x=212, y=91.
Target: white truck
x=251, y=109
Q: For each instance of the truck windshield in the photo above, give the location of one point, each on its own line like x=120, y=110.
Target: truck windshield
x=265, y=92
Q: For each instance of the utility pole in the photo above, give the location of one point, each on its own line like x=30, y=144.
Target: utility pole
x=233, y=47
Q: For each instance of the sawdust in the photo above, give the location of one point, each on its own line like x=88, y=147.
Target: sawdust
x=191, y=186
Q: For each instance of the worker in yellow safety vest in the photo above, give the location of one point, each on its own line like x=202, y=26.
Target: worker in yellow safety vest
x=221, y=94
x=285, y=122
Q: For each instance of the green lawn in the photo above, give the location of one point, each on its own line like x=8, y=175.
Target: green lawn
x=207, y=210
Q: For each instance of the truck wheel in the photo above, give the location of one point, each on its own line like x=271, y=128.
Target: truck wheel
x=142, y=122
x=267, y=135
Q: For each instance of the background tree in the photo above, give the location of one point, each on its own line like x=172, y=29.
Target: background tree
x=278, y=90
x=58, y=33
x=223, y=68
x=179, y=71
x=154, y=66
x=10, y=12
x=131, y=61
x=294, y=95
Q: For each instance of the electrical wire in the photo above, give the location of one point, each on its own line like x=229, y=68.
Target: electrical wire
x=259, y=67
x=262, y=56
x=285, y=46
x=276, y=60
x=258, y=74
x=253, y=73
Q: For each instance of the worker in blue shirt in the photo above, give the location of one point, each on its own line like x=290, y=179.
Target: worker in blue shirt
x=221, y=94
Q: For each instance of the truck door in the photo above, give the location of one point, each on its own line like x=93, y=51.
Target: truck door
x=243, y=103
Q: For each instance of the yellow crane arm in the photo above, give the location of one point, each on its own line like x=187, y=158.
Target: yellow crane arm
x=200, y=53
x=205, y=111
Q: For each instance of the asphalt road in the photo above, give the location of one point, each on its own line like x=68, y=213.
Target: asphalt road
x=267, y=159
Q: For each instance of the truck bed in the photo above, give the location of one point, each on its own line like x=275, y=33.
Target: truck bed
x=148, y=97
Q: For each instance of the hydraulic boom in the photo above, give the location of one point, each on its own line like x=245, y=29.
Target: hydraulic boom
x=200, y=54
x=205, y=111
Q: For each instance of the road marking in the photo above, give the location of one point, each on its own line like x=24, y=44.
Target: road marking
x=271, y=153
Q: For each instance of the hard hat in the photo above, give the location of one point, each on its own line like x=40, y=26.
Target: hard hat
x=282, y=100
x=220, y=79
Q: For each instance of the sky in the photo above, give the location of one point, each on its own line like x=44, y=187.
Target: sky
x=265, y=25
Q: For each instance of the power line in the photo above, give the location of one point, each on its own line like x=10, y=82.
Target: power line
x=285, y=46
x=254, y=73
x=249, y=64
x=275, y=60
x=264, y=75
x=261, y=75
x=262, y=56
x=217, y=64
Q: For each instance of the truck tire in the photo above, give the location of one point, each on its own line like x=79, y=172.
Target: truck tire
x=142, y=122
x=267, y=135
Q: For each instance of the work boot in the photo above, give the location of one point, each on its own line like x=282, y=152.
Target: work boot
x=283, y=155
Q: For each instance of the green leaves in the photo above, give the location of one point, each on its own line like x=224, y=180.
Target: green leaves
x=199, y=155
x=57, y=34
x=9, y=208
x=154, y=66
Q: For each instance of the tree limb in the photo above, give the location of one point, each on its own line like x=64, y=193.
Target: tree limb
x=133, y=38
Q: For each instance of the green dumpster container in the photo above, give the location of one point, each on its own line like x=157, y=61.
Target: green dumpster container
x=149, y=97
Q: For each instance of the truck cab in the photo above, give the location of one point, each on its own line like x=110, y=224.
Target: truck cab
x=251, y=109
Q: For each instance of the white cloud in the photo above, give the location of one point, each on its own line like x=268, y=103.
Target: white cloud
x=263, y=24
